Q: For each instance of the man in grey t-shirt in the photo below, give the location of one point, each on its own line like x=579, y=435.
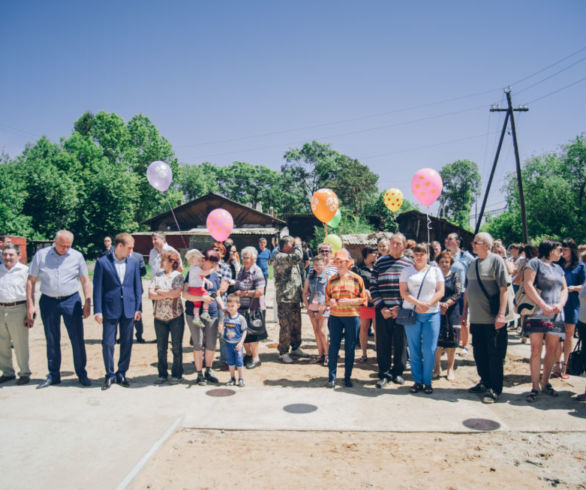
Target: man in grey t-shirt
x=487, y=271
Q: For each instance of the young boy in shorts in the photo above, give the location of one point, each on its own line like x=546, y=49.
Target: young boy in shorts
x=234, y=334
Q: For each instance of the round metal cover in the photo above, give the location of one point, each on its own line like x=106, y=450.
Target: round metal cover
x=220, y=392
x=300, y=408
x=481, y=424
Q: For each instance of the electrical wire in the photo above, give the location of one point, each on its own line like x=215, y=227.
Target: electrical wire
x=551, y=76
x=556, y=91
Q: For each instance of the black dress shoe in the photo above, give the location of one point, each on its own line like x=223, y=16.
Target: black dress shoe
x=4, y=378
x=48, y=382
x=210, y=377
x=107, y=383
x=331, y=383
x=252, y=364
x=23, y=380
x=140, y=340
x=479, y=388
x=85, y=381
x=122, y=380
x=348, y=383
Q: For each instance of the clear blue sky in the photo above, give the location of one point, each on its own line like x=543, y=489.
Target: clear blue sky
x=397, y=85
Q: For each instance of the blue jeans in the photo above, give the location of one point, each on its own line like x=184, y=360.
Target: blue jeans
x=349, y=327
x=422, y=338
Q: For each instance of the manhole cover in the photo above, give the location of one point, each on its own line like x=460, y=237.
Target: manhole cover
x=300, y=408
x=220, y=392
x=481, y=424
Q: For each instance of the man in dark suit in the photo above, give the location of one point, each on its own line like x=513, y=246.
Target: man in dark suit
x=117, y=301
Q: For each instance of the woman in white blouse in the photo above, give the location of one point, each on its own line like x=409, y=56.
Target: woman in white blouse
x=422, y=286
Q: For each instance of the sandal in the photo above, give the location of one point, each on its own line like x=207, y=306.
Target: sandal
x=363, y=359
x=317, y=360
x=416, y=388
x=428, y=390
x=532, y=396
x=550, y=390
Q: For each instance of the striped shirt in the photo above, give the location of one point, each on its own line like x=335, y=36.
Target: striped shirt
x=350, y=286
x=384, y=284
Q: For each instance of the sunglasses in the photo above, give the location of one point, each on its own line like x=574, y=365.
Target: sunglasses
x=324, y=251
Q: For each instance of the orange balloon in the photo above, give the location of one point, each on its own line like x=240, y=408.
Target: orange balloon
x=324, y=204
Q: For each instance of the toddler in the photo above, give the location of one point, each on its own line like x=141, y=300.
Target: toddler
x=196, y=280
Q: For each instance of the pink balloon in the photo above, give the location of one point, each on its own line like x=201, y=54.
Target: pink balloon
x=426, y=186
x=220, y=224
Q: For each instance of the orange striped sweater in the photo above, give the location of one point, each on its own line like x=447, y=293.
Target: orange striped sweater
x=350, y=286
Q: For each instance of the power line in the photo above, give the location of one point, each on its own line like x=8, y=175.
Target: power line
x=552, y=75
x=548, y=67
x=557, y=91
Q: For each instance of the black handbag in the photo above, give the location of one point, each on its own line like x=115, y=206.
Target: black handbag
x=255, y=323
x=575, y=365
x=407, y=316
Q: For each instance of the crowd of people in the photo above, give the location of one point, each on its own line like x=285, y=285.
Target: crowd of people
x=419, y=301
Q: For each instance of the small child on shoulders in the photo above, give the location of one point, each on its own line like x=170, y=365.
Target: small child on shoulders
x=234, y=333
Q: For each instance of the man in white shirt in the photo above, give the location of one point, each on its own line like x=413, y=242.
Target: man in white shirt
x=13, y=324
x=159, y=244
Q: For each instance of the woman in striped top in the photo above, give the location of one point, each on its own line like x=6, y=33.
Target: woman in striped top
x=345, y=294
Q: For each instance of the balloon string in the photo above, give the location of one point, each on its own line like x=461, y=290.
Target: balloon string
x=428, y=228
x=326, y=229
x=176, y=222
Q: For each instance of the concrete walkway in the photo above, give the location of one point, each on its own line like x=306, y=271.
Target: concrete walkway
x=72, y=437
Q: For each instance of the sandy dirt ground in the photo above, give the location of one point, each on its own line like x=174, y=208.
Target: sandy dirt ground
x=216, y=459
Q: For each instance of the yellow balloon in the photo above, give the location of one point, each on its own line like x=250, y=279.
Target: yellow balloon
x=393, y=199
x=335, y=241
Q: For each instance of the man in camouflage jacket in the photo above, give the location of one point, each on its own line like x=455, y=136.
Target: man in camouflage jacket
x=288, y=291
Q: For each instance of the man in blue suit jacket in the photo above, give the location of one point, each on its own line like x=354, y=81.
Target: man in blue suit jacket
x=117, y=301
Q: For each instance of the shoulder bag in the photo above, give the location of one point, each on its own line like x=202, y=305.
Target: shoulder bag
x=406, y=316
x=493, y=301
x=255, y=323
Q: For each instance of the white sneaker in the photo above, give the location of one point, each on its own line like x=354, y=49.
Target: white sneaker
x=299, y=353
x=286, y=358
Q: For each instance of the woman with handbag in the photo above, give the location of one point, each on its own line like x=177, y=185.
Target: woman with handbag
x=422, y=286
x=574, y=272
x=449, y=336
x=546, y=323
x=314, y=299
x=250, y=286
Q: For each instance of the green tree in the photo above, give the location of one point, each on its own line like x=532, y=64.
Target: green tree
x=12, y=197
x=317, y=165
x=553, y=185
x=461, y=182
x=196, y=181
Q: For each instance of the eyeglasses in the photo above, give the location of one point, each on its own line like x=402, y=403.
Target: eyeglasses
x=477, y=243
x=323, y=251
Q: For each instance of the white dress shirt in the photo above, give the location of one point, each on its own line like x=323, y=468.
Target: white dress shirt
x=13, y=283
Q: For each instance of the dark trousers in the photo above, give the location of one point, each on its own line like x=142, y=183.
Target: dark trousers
x=339, y=326
x=490, y=348
x=139, y=328
x=175, y=327
x=109, y=340
x=51, y=312
x=390, y=341
x=581, y=327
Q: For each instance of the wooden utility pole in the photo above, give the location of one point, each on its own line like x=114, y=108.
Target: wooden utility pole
x=510, y=115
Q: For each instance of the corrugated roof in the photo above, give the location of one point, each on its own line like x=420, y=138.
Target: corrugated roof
x=205, y=232
x=364, y=238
